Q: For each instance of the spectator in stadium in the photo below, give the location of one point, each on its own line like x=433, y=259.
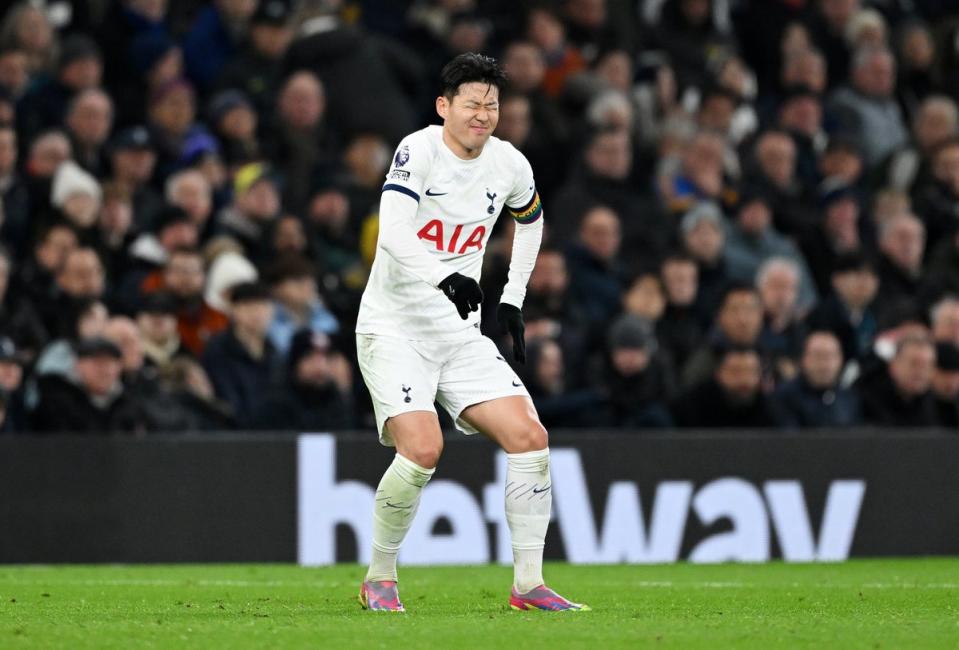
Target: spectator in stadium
x=816, y=398
x=26, y=28
x=800, y=114
x=751, y=240
x=936, y=121
x=730, y=398
x=47, y=152
x=19, y=320
x=314, y=395
x=86, y=319
x=902, y=240
x=699, y=176
x=596, y=277
x=187, y=402
x=918, y=76
x=94, y=401
x=783, y=331
x=775, y=157
x=640, y=383
x=77, y=196
x=938, y=200
x=240, y=360
x=680, y=329
x=297, y=303
x=257, y=66
x=133, y=162
x=81, y=278
x=256, y=203
x=79, y=67
x=214, y=38
x=171, y=114
x=901, y=395
x=14, y=75
x=835, y=235
x=738, y=324
x=190, y=191
x=704, y=239
x=88, y=120
x=233, y=120
x=944, y=317
x=842, y=160
x=848, y=311
x=11, y=387
x=184, y=278
x=157, y=323
x=546, y=30
x=14, y=196
x=945, y=385
x=868, y=108
x=687, y=31
x=172, y=229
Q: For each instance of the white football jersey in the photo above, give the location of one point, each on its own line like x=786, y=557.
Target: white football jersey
x=457, y=203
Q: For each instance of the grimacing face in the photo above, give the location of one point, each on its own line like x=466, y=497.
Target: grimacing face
x=469, y=118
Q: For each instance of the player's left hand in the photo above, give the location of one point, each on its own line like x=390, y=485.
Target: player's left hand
x=511, y=320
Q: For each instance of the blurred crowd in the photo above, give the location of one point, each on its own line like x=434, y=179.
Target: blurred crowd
x=751, y=207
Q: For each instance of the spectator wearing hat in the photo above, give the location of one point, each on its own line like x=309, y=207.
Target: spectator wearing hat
x=11, y=386
x=751, y=240
x=738, y=322
x=815, y=398
x=945, y=385
x=256, y=69
x=848, y=310
x=133, y=162
x=79, y=67
x=731, y=397
x=88, y=120
x=234, y=120
x=93, y=399
x=214, y=38
x=77, y=195
x=156, y=320
x=704, y=240
x=901, y=394
x=302, y=144
x=800, y=114
x=256, y=204
x=240, y=360
x=639, y=381
x=297, y=302
x=837, y=232
x=315, y=393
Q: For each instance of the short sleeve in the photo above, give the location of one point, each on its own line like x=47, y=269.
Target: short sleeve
x=523, y=202
x=410, y=166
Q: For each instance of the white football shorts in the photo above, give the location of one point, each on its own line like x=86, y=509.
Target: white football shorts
x=404, y=376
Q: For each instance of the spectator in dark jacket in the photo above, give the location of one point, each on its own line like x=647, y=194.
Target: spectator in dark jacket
x=312, y=397
x=778, y=284
x=704, y=239
x=731, y=398
x=94, y=401
x=945, y=385
x=640, y=383
x=680, y=328
x=596, y=284
x=241, y=359
x=815, y=398
x=214, y=39
x=901, y=396
x=902, y=240
x=848, y=312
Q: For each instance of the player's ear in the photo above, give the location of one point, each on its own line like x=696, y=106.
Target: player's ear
x=442, y=106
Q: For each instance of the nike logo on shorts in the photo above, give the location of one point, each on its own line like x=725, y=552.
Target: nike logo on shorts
x=516, y=384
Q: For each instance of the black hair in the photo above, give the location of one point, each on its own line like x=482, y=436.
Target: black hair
x=469, y=68
x=737, y=287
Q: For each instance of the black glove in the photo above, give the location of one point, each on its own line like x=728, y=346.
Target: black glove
x=464, y=292
x=511, y=320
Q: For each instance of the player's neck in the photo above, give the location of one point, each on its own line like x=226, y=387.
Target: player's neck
x=458, y=149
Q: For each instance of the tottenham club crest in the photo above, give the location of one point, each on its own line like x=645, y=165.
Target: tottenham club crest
x=491, y=197
x=402, y=156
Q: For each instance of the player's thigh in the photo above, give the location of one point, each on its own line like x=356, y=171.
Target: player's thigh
x=399, y=378
x=511, y=422
x=417, y=436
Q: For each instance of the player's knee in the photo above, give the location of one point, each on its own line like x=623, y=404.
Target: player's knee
x=531, y=436
x=426, y=453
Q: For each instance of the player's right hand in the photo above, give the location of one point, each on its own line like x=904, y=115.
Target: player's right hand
x=464, y=292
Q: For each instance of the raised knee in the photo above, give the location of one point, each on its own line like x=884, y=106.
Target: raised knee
x=531, y=437
x=425, y=454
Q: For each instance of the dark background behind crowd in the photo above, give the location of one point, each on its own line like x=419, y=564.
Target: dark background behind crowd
x=752, y=207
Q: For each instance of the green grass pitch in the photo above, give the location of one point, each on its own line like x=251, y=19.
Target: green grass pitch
x=859, y=604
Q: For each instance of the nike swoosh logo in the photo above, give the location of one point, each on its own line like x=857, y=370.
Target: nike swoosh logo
x=428, y=193
x=535, y=491
x=515, y=384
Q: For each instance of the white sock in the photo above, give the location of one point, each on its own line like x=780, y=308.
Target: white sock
x=529, y=496
x=397, y=498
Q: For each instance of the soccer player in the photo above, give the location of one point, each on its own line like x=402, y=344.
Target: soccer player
x=418, y=337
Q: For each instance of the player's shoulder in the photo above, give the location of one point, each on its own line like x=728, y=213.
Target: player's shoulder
x=504, y=151
x=423, y=141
